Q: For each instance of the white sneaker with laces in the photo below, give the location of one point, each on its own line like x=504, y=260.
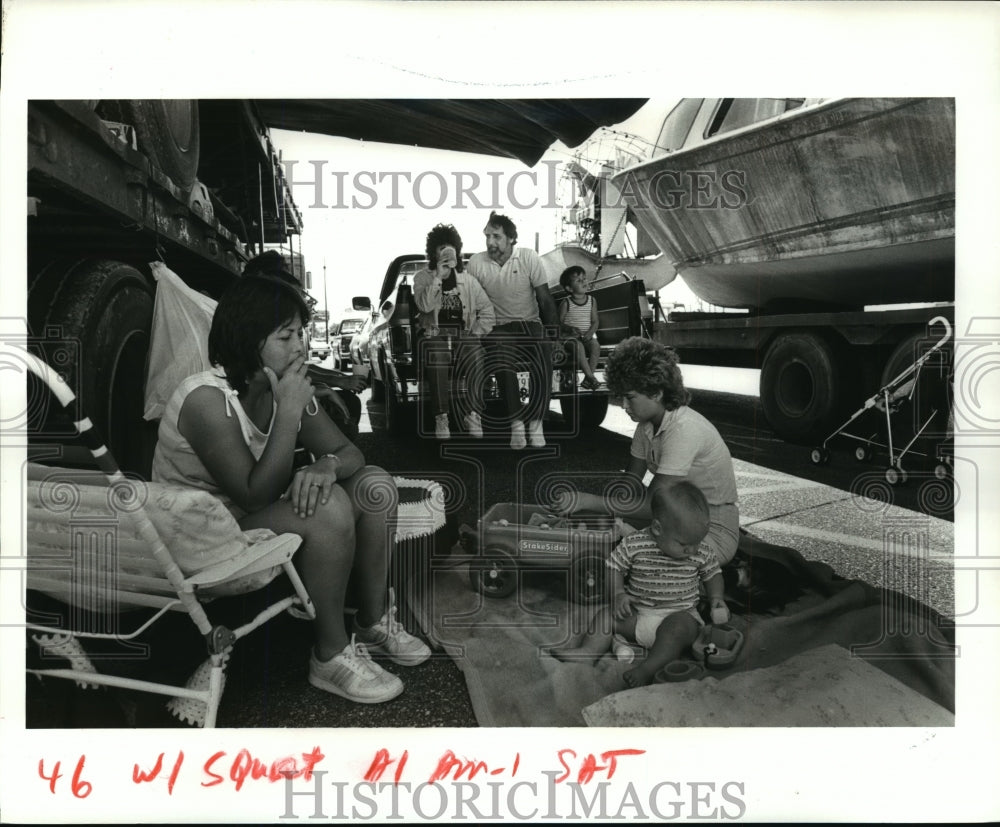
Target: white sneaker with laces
x=517, y=440
x=353, y=674
x=389, y=638
x=535, y=435
x=441, y=429
x=474, y=425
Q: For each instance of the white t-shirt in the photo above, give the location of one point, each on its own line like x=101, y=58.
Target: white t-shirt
x=511, y=287
x=688, y=445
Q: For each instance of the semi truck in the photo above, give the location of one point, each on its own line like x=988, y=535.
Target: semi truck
x=112, y=186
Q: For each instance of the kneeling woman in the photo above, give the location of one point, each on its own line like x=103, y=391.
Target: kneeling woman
x=671, y=441
x=233, y=430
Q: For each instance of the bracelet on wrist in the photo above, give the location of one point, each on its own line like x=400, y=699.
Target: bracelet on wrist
x=330, y=456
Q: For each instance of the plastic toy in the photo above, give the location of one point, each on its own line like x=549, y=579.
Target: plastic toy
x=511, y=536
x=717, y=646
x=679, y=670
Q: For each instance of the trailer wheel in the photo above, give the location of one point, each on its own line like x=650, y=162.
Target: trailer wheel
x=169, y=133
x=801, y=385
x=583, y=412
x=105, y=311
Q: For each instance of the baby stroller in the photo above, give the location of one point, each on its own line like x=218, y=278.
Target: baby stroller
x=897, y=396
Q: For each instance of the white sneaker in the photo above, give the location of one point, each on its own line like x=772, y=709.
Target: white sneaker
x=441, y=429
x=535, y=435
x=474, y=425
x=354, y=675
x=389, y=638
x=517, y=440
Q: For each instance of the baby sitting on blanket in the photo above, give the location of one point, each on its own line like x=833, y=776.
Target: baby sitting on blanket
x=656, y=572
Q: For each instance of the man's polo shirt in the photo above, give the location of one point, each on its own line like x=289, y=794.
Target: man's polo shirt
x=511, y=287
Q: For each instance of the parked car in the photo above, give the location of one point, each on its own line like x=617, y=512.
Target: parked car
x=359, y=344
x=392, y=350
x=343, y=332
x=319, y=349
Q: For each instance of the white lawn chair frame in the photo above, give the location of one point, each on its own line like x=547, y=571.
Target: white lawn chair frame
x=66, y=562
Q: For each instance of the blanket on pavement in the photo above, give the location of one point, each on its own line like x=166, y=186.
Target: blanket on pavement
x=792, y=606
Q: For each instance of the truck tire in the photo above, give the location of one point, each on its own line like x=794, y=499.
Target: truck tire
x=583, y=412
x=169, y=134
x=105, y=310
x=933, y=392
x=802, y=386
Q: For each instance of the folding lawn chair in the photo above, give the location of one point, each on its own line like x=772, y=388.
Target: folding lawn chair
x=95, y=543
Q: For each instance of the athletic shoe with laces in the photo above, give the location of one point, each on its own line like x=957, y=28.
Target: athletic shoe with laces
x=517, y=440
x=441, y=429
x=536, y=438
x=474, y=425
x=353, y=674
x=389, y=638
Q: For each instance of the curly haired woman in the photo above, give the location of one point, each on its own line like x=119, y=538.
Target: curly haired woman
x=454, y=314
x=671, y=441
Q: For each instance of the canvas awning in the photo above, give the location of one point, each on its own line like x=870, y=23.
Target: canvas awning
x=516, y=128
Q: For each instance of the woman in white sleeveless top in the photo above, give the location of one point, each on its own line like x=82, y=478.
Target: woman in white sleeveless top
x=233, y=431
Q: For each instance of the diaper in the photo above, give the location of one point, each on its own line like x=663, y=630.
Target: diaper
x=648, y=620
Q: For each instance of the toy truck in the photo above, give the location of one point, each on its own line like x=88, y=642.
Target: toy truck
x=510, y=537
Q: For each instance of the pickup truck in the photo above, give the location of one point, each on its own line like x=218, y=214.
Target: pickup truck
x=398, y=389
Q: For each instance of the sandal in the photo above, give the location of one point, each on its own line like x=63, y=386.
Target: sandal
x=590, y=384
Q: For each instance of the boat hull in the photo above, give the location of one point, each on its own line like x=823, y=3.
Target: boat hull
x=843, y=204
x=654, y=272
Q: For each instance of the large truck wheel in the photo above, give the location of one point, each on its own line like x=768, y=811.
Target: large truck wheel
x=168, y=133
x=583, y=412
x=105, y=312
x=801, y=386
x=933, y=391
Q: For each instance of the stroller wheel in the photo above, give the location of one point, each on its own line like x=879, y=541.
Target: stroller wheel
x=819, y=456
x=894, y=475
x=941, y=471
x=863, y=453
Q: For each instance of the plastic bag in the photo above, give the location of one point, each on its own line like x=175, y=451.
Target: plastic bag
x=178, y=347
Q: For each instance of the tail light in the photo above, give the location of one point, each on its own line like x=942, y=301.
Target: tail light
x=401, y=340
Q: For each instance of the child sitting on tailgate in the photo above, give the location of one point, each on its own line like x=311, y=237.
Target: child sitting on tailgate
x=578, y=322
x=656, y=573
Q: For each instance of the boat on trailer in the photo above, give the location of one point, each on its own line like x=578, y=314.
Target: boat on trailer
x=778, y=204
